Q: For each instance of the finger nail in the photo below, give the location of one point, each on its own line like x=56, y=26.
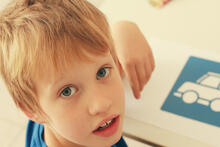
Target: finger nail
x=138, y=96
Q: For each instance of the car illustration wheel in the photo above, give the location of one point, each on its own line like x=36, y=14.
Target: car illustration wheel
x=215, y=105
x=190, y=97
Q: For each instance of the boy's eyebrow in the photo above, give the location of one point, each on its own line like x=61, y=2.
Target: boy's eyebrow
x=56, y=81
x=55, y=85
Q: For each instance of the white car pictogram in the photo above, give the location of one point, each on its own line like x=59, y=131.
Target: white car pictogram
x=205, y=91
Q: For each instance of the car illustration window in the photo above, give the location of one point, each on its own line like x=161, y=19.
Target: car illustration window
x=211, y=81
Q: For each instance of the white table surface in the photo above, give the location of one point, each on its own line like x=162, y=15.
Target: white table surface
x=192, y=22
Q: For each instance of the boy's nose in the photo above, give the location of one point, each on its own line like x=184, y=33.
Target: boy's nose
x=99, y=104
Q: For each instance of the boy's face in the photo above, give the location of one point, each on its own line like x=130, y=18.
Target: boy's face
x=79, y=98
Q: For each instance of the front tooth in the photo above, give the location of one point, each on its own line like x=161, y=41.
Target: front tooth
x=109, y=121
x=103, y=125
x=106, y=123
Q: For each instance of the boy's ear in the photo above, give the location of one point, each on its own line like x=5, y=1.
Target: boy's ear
x=32, y=116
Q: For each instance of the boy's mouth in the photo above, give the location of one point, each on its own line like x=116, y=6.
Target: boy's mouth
x=108, y=126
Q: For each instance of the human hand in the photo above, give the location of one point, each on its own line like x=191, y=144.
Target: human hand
x=134, y=55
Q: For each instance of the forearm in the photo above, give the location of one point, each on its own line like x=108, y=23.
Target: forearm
x=120, y=33
x=134, y=54
x=123, y=32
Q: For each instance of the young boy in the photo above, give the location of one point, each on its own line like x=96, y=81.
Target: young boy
x=59, y=64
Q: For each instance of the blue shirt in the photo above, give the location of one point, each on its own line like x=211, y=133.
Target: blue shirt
x=34, y=135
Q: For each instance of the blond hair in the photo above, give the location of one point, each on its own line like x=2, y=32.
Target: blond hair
x=38, y=32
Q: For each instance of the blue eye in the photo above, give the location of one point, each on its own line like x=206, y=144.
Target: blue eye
x=103, y=72
x=68, y=91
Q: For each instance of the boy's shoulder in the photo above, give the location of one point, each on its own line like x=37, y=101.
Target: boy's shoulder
x=34, y=135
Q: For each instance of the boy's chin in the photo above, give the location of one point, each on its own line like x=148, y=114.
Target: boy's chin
x=112, y=140
x=117, y=137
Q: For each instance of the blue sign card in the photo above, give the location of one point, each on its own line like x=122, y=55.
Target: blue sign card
x=196, y=93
